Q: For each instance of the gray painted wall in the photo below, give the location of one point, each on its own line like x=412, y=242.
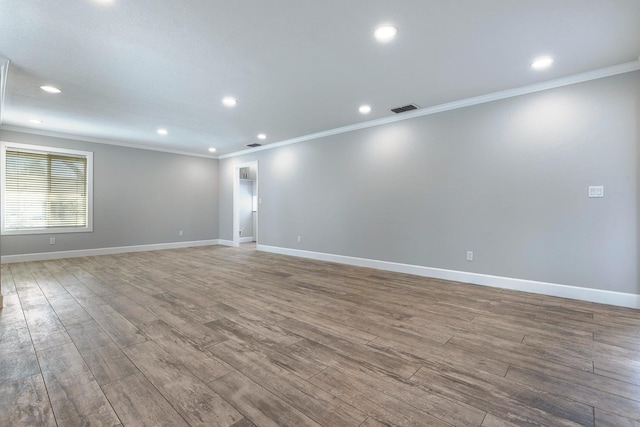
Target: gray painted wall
x=507, y=179
x=140, y=197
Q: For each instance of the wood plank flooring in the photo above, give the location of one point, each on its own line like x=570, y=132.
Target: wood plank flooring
x=218, y=336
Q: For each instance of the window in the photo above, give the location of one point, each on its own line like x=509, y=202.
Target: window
x=45, y=190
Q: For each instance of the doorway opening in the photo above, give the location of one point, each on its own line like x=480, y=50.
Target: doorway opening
x=245, y=204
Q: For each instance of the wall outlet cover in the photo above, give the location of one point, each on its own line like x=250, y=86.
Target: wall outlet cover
x=596, y=191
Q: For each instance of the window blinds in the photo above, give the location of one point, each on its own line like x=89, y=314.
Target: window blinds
x=45, y=190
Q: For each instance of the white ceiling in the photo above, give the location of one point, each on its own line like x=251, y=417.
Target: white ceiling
x=296, y=67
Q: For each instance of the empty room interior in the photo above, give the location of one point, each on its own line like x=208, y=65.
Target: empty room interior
x=320, y=213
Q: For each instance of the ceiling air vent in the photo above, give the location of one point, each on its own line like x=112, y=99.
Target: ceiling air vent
x=405, y=108
x=255, y=144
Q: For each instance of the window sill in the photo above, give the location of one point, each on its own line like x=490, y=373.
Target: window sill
x=46, y=231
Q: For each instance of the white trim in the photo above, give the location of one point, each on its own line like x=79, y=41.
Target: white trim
x=495, y=96
x=544, y=288
x=100, y=141
x=626, y=67
x=246, y=239
x=42, y=256
x=225, y=242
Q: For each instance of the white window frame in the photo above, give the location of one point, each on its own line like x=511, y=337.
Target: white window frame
x=4, y=145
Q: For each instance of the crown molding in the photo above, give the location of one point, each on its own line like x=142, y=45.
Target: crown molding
x=100, y=141
x=468, y=102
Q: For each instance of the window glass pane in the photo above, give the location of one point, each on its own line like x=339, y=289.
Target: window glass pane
x=44, y=190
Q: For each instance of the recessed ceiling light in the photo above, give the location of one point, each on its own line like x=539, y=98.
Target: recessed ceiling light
x=212, y=150
x=542, y=63
x=364, y=109
x=162, y=131
x=262, y=136
x=35, y=121
x=50, y=89
x=229, y=101
x=385, y=33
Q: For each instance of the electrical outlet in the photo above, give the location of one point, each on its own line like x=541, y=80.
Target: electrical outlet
x=52, y=241
x=240, y=232
x=299, y=239
x=469, y=255
x=181, y=233
x=596, y=191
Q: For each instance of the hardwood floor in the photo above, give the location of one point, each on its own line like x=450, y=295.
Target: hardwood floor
x=219, y=336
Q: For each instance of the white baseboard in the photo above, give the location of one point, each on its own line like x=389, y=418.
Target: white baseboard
x=552, y=289
x=231, y=242
x=42, y=256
